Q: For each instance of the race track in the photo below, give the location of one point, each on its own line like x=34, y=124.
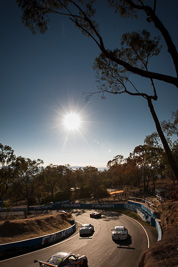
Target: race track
x=99, y=248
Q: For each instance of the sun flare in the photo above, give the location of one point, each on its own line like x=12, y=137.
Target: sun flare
x=72, y=121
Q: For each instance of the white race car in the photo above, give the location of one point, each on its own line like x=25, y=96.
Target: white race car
x=119, y=233
x=86, y=229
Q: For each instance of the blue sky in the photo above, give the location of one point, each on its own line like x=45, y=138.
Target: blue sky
x=43, y=77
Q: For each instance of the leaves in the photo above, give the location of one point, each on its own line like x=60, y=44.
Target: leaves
x=138, y=48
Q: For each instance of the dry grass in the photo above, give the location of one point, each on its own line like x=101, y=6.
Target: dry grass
x=20, y=229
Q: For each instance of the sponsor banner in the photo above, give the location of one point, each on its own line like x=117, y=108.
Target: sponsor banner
x=142, y=215
x=130, y=207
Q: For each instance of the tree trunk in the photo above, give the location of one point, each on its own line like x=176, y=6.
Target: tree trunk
x=163, y=139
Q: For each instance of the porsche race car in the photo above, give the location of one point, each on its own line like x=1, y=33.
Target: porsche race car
x=86, y=229
x=64, y=259
x=119, y=233
x=95, y=215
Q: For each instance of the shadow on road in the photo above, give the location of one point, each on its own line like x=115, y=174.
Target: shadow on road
x=88, y=236
x=108, y=216
x=78, y=212
x=124, y=243
x=125, y=247
x=85, y=237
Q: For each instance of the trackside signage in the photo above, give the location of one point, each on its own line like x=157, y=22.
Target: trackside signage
x=90, y=206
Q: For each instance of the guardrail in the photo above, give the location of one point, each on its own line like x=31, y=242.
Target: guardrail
x=143, y=200
x=15, y=248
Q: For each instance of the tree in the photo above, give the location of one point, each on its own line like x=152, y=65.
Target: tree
x=50, y=181
x=132, y=172
x=140, y=157
x=24, y=182
x=154, y=156
x=54, y=182
x=114, y=66
x=7, y=157
x=170, y=129
x=119, y=159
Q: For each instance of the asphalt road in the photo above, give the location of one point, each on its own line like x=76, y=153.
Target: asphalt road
x=99, y=248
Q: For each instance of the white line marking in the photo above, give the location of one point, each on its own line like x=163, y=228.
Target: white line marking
x=141, y=226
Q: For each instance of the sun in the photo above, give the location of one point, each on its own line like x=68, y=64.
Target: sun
x=72, y=121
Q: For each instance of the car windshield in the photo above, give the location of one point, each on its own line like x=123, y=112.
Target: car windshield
x=58, y=258
x=119, y=228
x=86, y=225
x=55, y=260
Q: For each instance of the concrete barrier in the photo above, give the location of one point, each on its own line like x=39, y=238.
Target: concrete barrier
x=15, y=248
x=158, y=227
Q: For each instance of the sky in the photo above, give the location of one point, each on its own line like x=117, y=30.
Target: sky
x=44, y=77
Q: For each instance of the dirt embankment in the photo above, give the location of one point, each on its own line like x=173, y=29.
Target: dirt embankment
x=165, y=252
x=12, y=230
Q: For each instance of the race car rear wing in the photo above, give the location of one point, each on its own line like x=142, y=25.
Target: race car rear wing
x=46, y=263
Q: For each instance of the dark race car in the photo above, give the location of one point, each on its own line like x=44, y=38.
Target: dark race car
x=64, y=259
x=95, y=215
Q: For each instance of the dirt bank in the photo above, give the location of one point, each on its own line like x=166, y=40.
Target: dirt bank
x=165, y=252
x=12, y=230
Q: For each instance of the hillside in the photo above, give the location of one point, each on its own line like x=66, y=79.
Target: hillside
x=165, y=252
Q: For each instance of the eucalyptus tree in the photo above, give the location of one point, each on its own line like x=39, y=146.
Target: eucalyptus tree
x=54, y=181
x=132, y=172
x=140, y=156
x=113, y=66
x=93, y=183
x=25, y=172
x=154, y=158
x=117, y=170
x=119, y=159
x=91, y=179
x=157, y=155
x=78, y=176
x=49, y=179
x=7, y=157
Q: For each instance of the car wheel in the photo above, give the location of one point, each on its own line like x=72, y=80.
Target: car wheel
x=85, y=264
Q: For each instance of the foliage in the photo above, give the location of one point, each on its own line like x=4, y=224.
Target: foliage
x=25, y=172
x=37, y=13
x=7, y=157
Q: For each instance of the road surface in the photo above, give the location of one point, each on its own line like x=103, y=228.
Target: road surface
x=99, y=248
